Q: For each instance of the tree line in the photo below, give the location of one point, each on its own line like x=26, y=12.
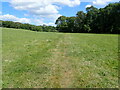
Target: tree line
x=103, y=20
x=17, y=25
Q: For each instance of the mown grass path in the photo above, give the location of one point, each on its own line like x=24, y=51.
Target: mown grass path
x=61, y=70
x=59, y=60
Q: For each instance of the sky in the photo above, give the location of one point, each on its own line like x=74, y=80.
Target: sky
x=39, y=12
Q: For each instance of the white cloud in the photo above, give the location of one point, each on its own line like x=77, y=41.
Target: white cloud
x=5, y=0
x=26, y=15
x=101, y=2
x=88, y=6
x=41, y=21
x=0, y=12
x=43, y=8
x=9, y=17
x=67, y=2
x=35, y=21
x=50, y=24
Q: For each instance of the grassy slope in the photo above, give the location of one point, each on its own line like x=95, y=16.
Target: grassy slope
x=38, y=59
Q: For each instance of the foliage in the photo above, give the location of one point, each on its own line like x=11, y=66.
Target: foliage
x=103, y=20
x=17, y=25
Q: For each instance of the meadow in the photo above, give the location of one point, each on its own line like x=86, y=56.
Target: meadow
x=58, y=60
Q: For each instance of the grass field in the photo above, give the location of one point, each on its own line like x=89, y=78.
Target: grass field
x=59, y=60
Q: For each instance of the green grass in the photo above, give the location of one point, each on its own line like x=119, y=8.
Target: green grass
x=59, y=60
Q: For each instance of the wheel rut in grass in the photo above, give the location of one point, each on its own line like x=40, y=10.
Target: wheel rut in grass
x=61, y=71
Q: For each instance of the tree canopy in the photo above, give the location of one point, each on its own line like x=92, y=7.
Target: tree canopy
x=17, y=25
x=103, y=20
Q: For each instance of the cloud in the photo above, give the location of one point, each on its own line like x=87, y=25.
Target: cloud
x=5, y=0
x=0, y=12
x=9, y=17
x=35, y=21
x=101, y=2
x=43, y=8
x=67, y=2
x=26, y=15
x=41, y=21
x=50, y=24
x=88, y=6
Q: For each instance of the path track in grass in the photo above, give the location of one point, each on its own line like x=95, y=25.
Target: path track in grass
x=61, y=70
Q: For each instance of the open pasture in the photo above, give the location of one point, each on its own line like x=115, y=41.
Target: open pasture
x=58, y=60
